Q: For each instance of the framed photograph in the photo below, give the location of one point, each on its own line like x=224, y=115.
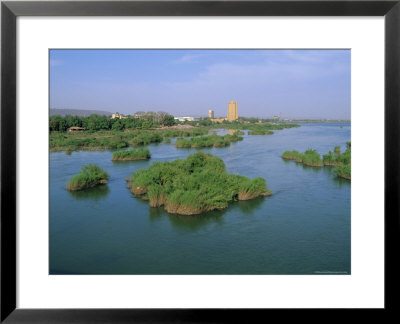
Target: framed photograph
x=191, y=160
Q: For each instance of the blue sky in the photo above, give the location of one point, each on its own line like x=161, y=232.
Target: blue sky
x=293, y=83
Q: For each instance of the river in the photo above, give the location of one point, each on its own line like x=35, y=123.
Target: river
x=303, y=228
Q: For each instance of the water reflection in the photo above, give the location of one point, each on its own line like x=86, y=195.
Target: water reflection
x=249, y=206
x=341, y=182
x=307, y=167
x=195, y=222
x=94, y=194
x=156, y=213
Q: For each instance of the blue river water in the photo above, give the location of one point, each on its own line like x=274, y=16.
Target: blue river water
x=303, y=228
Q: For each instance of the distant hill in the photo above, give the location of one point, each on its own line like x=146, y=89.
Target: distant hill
x=78, y=112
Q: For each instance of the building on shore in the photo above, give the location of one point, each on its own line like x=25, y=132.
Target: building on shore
x=232, y=111
x=75, y=129
x=211, y=113
x=182, y=119
x=118, y=115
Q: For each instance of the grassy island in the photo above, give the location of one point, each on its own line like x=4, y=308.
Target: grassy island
x=194, y=185
x=340, y=161
x=132, y=155
x=207, y=141
x=90, y=176
x=309, y=157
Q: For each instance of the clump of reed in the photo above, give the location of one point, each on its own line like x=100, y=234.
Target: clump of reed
x=132, y=155
x=184, y=132
x=207, y=141
x=343, y=171
x=90, y=176
x=260, y=132
x=340, y=161
x=194, y=185
x=87, y=141
x=144, y=138
x=310, y=157
x=291, y=155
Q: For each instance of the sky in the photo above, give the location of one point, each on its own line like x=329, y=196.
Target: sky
x=293, y=84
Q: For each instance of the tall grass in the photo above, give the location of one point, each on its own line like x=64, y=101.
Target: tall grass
x=145, y=138
x=291, y=155
x=91, y=175
x=207, y=141
x=343, y=171
x=132, y=155
x=194, y=185
x=340, y=161
x=310, y=157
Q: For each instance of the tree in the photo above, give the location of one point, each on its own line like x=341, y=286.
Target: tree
x=168, y=120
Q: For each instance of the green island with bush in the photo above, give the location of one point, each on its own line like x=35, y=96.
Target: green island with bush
x=309, y=157
x=207, y=141
x=340, y=161
x=90, y=176
x=132, y=155
x=197, y=184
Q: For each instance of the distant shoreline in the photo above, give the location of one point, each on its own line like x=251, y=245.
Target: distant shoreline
x=315, y=121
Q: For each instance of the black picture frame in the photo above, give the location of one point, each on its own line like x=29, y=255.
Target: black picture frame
x=10, y=10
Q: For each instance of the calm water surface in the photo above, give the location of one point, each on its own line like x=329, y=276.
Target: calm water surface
x=303, y=228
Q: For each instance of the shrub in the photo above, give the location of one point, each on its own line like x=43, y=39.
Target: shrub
x=131, y=155
x=91, y=175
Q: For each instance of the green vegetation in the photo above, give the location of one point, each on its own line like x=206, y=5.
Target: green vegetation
x=113, y=139
x=86, y=141
x=340, y=161
x=343, y=171
x=102, y=132
x=146, y=137
x=91, y=175
x=312, y=158
x=207, y=141
x=309, y=157
x=260, y=132
x=257, y=128
x=292, y=155
x=140, y=120
x=184, y=132
x=132, y=155
x=238, y=132
x=194, y=185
